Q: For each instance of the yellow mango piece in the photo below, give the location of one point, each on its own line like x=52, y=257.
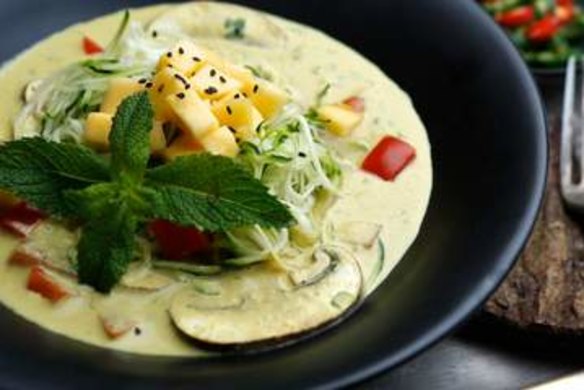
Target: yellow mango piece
x=211, y=83
x=192, y=114
x=340, y=119
x=239, y=114
x=221, y=142
x=183, y=145
x=185, y=57
x=119, y=89
x=241, y=74
x=267, y=97
x=157, y=138
x=165, y=83
x=97, y=129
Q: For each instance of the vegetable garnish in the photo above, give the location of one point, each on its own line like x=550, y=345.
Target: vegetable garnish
x=114, y=199
x=235, y=28
x=91, y=47
x=389, y=158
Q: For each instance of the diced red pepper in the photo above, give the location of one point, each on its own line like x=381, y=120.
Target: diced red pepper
x=42, y=283
x=544, y=29
x=26, y=258
x=356, y=103
x=178, y=242
x=516, y=16
x=91, y=47
x=116, y=327
x=389, y=158
x=21, y=219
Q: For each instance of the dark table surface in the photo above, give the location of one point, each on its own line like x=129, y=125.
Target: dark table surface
x=483, y=354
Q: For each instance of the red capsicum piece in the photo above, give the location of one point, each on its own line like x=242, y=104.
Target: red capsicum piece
x=517, y=16
x=356, y=103
x=21, y=219
x=544, y=29
x=389, y=158
x=178, y=242
x=91, y=47
x=42, y=283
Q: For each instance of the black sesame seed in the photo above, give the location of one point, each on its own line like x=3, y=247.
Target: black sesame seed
x=196, y=59
x=180, y=78
x=213, y=72
x=170, y=66
x=256, y=88
x=302, y=154
x=236, y=96
x=149, y=85
x=181, y=51
x=161, y=88
x=137, y=331
x=142, y=81
x=154, y=34
x=222, y=79
x=229, y=110
x=244, y=94
x=211, y=90
x=169, y=54
x=232, y=129
x=188, y=86
x=180, y=95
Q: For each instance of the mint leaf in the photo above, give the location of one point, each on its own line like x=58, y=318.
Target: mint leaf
x=213, y=193
x=129, y=138
x=107, y=245
x=38, y=171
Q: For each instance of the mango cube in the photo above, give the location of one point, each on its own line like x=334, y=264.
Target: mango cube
x=239, y=114
x=267, y=97
x=211, y=83
x=165, y=83
x=221, y=142
x=185, y=57
x=340, y=119
x=182, y=146
x=193, y=115
x=97, y=128
x=119, y=89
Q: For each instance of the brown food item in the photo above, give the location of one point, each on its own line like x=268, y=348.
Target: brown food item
x=546, y=287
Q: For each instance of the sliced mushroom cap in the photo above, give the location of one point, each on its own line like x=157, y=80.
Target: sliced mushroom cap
x=360, y=233
x=255, y=309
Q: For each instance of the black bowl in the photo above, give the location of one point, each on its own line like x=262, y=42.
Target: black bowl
x=488, y=134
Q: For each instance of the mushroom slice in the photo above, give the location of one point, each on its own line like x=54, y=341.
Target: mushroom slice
x=253, y=311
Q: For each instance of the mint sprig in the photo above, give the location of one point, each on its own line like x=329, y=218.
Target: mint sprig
x=113, y=198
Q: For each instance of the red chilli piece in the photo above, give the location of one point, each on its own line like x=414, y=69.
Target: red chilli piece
x=178, y=242
x=21, y=219
x=90, y=47
x=42, y=283
x=356, y=103
x=389, y=158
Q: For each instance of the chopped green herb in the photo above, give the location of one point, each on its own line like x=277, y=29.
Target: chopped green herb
x=209, y=192
x=234, y=28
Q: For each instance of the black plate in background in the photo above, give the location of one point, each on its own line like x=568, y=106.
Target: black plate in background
x=488, y=136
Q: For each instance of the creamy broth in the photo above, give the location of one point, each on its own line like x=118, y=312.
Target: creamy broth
x=301, y=58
